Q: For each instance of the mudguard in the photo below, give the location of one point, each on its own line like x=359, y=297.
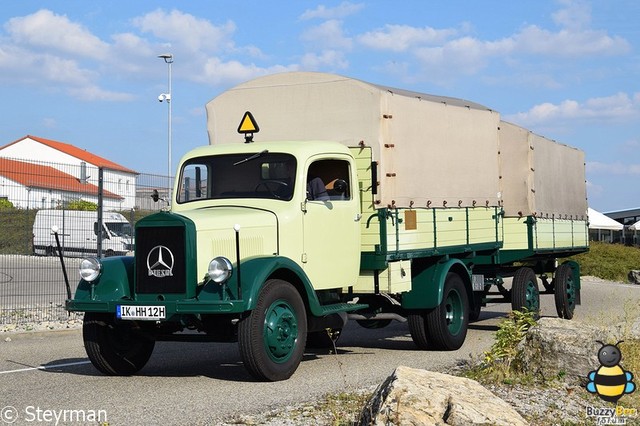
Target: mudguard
x=256, y=271
x=113, y=284
x=427, y=287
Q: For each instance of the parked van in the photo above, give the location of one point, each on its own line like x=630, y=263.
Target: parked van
x=78, y=232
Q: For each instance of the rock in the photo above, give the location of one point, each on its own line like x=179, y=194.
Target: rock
x=556, y=346
x=634, y=277
x=419, y=397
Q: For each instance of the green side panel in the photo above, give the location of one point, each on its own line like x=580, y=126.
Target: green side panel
x=529, y=236
x=396, y=234
x=428, y=285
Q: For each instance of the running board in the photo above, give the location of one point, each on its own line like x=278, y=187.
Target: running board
x=342, y=307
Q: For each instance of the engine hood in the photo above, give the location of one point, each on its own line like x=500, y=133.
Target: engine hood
x=258, y=229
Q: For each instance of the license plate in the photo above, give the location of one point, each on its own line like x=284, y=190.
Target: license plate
x=145, y=313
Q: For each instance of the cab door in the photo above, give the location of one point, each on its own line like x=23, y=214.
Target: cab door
x=331, y=221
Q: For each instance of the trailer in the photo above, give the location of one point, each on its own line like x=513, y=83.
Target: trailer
x=342, y=200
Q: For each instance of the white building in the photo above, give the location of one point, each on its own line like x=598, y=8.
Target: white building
x=42, y=173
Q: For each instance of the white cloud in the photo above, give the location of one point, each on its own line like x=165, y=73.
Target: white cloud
x=343, y=10
x=187, y=31
x=610, y=108
x=400, y=38
x=330, y=59
x=328, y=35
x=217, y=72
x=44, y=29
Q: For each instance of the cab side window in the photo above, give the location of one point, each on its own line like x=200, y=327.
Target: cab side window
x=328, y=180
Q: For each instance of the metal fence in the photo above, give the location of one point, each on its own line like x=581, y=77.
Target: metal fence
x=34, y=197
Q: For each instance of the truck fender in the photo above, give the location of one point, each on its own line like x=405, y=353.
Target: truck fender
x=256, y=271
x=114, y=282
x=427, y=286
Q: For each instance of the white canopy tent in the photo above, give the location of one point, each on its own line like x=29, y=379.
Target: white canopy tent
x=603, y=228
x=598, y=220
x=635, y=226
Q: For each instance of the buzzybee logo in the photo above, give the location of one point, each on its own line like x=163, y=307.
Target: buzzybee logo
x=610, y=381
x=162, y=259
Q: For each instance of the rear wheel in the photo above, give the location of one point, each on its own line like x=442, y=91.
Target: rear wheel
x=272, y=337
x=444, y=327
x=524, y=291
x=116, y=348
x=565, y=291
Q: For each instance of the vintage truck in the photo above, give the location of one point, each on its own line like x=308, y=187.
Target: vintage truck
x=343, y=200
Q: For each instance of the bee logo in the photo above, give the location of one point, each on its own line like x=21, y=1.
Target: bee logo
x=610, y=381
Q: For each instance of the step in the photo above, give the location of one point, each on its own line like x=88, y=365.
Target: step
x=342, y=307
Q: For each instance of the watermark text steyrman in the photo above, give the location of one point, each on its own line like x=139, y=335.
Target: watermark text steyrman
x=36, y=414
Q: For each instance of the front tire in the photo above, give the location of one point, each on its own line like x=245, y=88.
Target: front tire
x=115, y=348
x=273, y=336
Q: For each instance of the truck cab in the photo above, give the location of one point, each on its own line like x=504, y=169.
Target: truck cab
x=259, y=243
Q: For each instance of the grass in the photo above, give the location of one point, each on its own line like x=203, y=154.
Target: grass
x=609, y=261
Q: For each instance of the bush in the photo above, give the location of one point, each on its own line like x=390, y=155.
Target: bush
x=608, y=261
x=86, y=206
x=5, y=204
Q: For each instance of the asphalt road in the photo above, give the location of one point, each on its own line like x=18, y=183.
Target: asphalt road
x=196, y=383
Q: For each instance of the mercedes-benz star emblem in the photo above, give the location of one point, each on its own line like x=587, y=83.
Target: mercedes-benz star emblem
x=163, y=262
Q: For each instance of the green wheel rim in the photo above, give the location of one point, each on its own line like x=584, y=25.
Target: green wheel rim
x=280, y=331
x=454, y=312
x=532, y=298
x=570, y=291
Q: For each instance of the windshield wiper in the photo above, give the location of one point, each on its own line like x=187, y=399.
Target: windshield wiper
x=253, y=157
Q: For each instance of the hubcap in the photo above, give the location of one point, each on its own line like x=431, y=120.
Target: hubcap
x=570, y=290
x=532, y=298
x=280, y=331
x=453, y=312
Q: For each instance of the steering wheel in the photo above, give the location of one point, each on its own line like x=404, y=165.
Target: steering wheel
x=272, y=191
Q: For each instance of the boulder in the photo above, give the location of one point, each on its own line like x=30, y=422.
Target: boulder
x=419, y=397
x=556, y=346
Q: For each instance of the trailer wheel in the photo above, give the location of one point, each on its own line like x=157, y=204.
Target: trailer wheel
x=115, y=347
x=524, y=291
x=565, y=291
x=444, y=327
x=272, y=337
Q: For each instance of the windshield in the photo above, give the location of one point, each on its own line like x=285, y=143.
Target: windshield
x=249, y=175
x=121, y=229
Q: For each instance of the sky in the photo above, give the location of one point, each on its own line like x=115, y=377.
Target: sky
x=88, y=73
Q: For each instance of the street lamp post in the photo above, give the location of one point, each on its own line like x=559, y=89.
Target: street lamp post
x=168, y=59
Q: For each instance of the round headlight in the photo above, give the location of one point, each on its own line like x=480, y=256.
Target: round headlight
x=220, y=270
x=90, y=269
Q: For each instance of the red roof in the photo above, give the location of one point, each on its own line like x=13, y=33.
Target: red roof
x=76, y=152
x=46, y=177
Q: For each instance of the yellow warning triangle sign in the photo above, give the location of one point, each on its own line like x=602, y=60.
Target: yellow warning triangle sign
x=248, y=124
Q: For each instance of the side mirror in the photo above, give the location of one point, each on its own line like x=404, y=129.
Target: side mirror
x=340, y=186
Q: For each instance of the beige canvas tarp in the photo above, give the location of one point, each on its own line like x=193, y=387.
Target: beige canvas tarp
x=540, y=176
x=431, y=151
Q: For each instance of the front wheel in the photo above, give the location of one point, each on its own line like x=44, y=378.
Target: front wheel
x=444, y=327
x=273, y=336
x=116, y=348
